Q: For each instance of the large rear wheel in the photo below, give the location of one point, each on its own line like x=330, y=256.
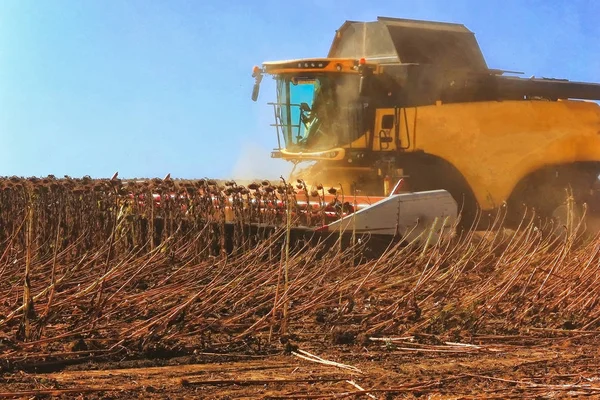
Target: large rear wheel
x=564, y=199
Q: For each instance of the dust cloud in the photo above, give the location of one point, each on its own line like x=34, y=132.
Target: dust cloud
x=255, y=163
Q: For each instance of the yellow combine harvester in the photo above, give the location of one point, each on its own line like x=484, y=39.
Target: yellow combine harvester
x=415, y=100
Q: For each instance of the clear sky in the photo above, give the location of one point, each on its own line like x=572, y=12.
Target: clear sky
x=152, y=87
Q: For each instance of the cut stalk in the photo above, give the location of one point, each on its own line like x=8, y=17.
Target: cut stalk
x=287, y=263
x=53, y=273
x=27, y=300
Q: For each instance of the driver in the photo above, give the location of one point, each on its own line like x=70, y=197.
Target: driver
x=324, y=102
x=322, y=116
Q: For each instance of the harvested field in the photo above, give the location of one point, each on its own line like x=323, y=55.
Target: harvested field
x=94, y=299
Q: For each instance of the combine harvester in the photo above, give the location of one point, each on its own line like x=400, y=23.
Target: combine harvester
x=414, y=102
x=406, y=119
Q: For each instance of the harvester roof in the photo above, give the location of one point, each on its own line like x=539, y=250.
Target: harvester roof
x=393, y=40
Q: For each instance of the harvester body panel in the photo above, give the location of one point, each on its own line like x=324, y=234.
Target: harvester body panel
x=495, y=144
x=394, y=40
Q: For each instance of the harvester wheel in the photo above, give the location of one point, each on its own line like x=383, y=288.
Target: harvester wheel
x=560, y=197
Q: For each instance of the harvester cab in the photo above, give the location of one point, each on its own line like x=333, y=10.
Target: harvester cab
x=326, y=108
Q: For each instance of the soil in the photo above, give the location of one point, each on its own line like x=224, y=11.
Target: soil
x=562, y=366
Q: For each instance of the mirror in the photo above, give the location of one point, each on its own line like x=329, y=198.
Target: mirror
x=304, y=107
x=255, y=91
x=363, y=86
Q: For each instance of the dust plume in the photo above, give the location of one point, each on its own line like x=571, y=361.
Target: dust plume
x=255, y=163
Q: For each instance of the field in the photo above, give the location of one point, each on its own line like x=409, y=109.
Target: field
x=97, y=302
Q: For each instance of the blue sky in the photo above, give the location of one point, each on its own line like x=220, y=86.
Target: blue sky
x=151, y=87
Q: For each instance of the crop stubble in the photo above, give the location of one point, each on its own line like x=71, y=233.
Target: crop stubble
x=86, y=280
